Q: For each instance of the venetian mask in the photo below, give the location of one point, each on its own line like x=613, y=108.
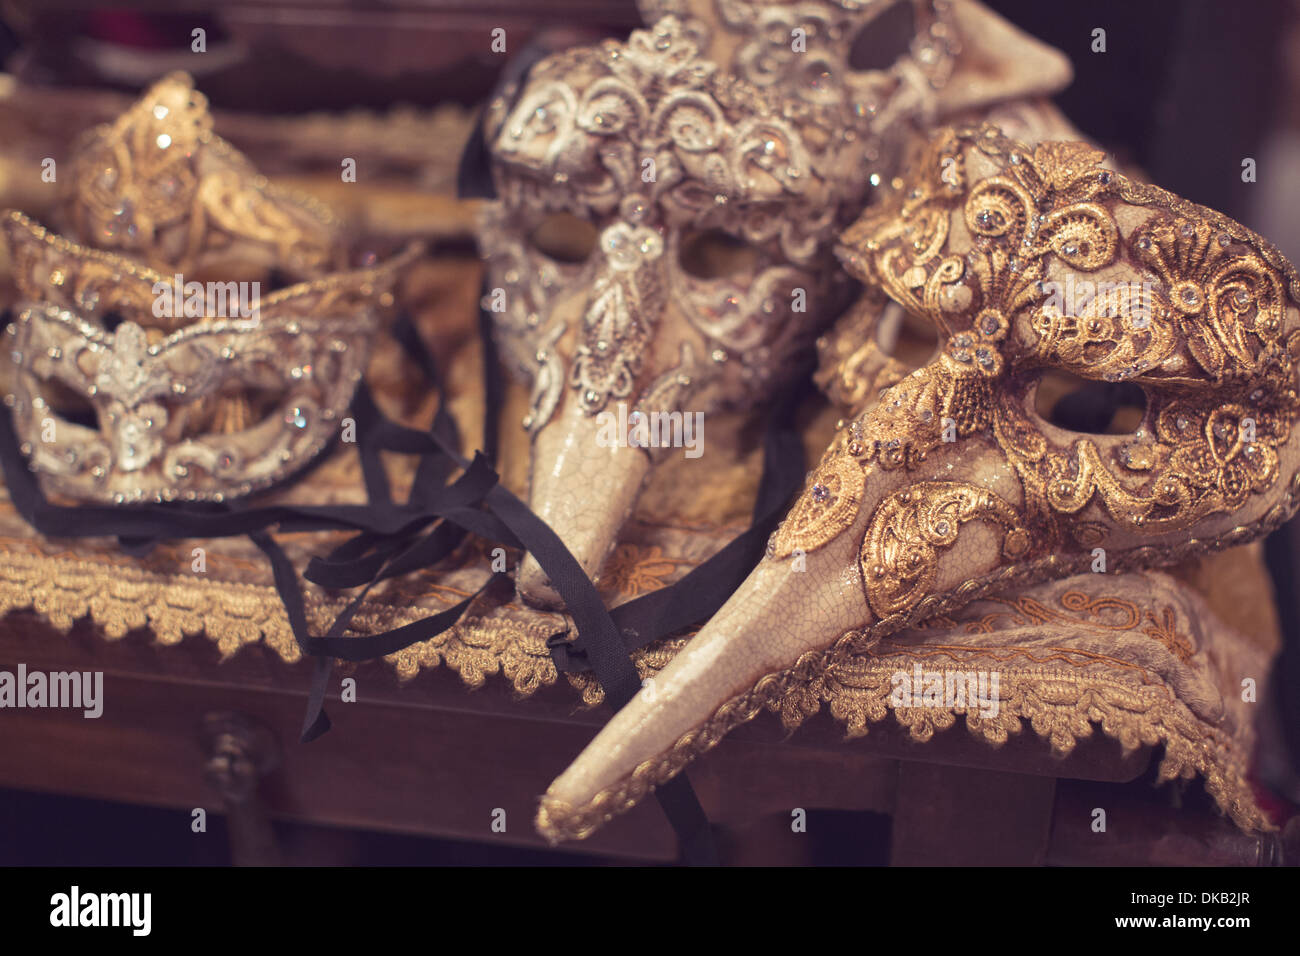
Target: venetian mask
x=114, y=403
x=157, y=184
x=660, y=247
x=1028, y=262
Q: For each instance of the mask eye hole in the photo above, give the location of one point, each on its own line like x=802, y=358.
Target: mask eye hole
x=111, y=320
x=69, y=405
x=564, y=237
x=1094, y=408
x=716, y=254
x=910, y=339
x=887, y=38
x=230, y=413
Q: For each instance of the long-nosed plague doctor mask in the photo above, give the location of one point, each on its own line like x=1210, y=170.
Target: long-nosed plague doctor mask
x=1028, y=261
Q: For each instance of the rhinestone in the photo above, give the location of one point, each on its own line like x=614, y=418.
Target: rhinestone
x=1144, y=242
x=633, y=208
x=54, y=352
x=1257, y=394
x=718, y=355
x=1104, y=178
x=296, y=418
x=1187, y=231
x=590, y=397
x=1224, y=239
x=820, y=493
x=985, y=357
x=855, y=448
x=1071, y=249
x=163, y=141
x=942, y=527
x=962, y=340
x=988, y=325
x=961, y=355
x=1241, y=297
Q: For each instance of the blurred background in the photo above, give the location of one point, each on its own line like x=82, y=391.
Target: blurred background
x=1185, y=91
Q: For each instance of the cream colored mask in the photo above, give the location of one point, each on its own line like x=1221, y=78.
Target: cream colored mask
x=952, y=486
x=115, y=404
x=661, y=245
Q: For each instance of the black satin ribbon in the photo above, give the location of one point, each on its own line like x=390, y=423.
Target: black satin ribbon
x=474, y=172
x=695, y=597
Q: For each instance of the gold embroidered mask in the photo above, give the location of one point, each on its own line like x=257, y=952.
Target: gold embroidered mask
x=159, y=185
x=951, y=485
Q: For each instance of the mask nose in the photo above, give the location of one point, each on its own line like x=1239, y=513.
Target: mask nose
x=581, y=485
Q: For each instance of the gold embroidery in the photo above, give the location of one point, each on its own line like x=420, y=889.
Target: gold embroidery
x=836, y=490
x=633, y=570
x=900, y=552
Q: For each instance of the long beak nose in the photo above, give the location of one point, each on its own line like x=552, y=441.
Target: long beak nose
x=780, y=622
x=584, y=486
x=775, y=616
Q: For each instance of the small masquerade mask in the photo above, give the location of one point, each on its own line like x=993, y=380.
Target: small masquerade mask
x=157, y=184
